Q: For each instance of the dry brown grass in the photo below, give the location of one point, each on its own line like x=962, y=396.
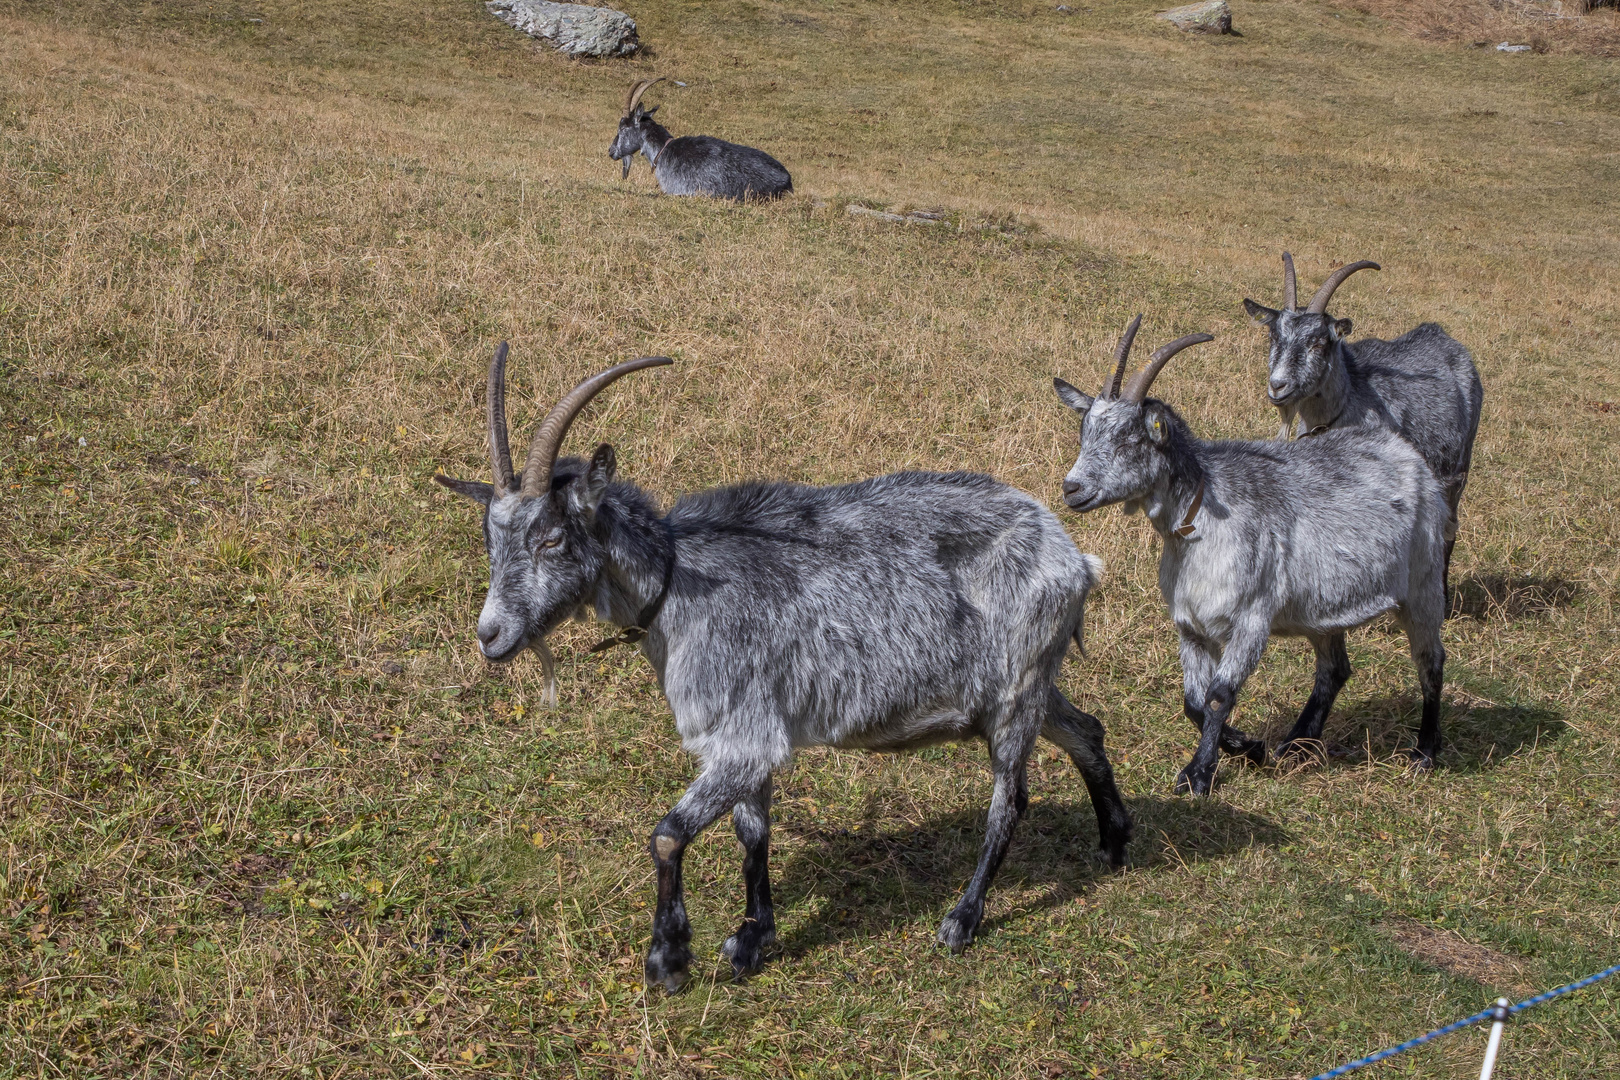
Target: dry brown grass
x=263, y=810
x=1547, y=26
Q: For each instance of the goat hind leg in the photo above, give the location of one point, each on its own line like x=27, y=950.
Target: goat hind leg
x=1010, y=744
x=1081, y=735
x=1332, y=672
x=717, y=789
x=1429, y=655
x=746, y=947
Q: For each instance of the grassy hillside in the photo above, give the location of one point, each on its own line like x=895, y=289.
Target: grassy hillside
x=263, y=810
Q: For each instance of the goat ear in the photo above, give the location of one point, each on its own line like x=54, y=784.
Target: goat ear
x=1340, y=329
x=1158, y=425
x=1260, y=313
x=1073, y=398
x=585, y=493
x=649, y=112
x=476, y=490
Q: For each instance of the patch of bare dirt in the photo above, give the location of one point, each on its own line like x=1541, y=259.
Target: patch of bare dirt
x=1453, y=954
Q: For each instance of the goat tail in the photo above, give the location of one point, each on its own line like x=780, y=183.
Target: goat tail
x=1094, y=573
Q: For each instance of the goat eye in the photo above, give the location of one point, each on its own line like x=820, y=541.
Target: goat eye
x=552, y=541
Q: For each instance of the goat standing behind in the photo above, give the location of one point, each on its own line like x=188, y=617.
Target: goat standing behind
x=893, y=613
x=694, y=164
x=1309, y=538
x=1423, y=385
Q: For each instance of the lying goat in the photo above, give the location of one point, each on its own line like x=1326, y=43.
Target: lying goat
x=911, y=609
x=1423, y=385
x=1308, y=538
x=694, y=164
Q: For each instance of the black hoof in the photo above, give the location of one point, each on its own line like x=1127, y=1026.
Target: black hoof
x=1111, y=856
x=667, y=966
x=956, y=933
x=1191, y=783
x=1421, y=762
x=746, y=950
x=1255, y=751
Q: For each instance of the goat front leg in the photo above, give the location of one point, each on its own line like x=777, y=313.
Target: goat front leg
x=1332, y=672
x=1011, y=742
x=746, y=947
x=1238, y=661
x=1198, y=664
x=717, y=789
x=1081, y=735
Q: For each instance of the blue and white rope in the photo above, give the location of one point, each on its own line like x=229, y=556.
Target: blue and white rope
x=1478, y=1017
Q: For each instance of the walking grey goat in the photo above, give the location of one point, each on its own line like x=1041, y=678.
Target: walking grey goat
x=893, y=613
x=694, y=164
x=1423, y=385
x=1308, y=538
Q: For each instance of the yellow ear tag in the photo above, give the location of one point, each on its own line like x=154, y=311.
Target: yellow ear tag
x=1158, y=428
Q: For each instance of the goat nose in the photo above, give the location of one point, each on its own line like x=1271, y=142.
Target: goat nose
x=1070, y=487
x=487, y=635
x=1279, y=387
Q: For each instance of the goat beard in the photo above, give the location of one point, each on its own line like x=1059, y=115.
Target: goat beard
x=548, y=668
x=628, y=158
x=1289, y=415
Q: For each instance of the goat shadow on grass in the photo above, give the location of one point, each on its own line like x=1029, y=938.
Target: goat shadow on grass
x=1473, y=737
x=862, y=882
x=1511, y=596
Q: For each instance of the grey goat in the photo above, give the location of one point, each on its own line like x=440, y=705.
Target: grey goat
x=1423, y=385
x=910, y=609
x=694, y=164
x=1309, y=538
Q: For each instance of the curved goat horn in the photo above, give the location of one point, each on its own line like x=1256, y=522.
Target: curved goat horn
x=500, y=452
x=1290, y=285
x=1319, y=302
x=636, y=90
x=548, y=440
x=1122, y=353
x=1143, y=380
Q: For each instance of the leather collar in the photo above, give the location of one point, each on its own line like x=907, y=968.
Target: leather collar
x=1186, y=528
x=633, y=634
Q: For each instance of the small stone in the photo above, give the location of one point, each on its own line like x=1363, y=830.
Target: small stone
x=575, y=29
x=1210, y=17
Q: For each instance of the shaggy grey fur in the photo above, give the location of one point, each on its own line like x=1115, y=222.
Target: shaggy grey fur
x=906, y=610
x=698, y=164
x=1423, y=386
x=1309, y=538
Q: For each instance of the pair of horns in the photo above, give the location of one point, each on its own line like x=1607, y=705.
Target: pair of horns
x=636, y=90
x=1319, y=302
x=536, y=479
x=1136, y=390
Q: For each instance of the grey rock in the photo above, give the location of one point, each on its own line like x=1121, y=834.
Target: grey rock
x=1210, y=17
x=575, y=29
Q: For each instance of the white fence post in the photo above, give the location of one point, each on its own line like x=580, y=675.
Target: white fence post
x=1499, y=1019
